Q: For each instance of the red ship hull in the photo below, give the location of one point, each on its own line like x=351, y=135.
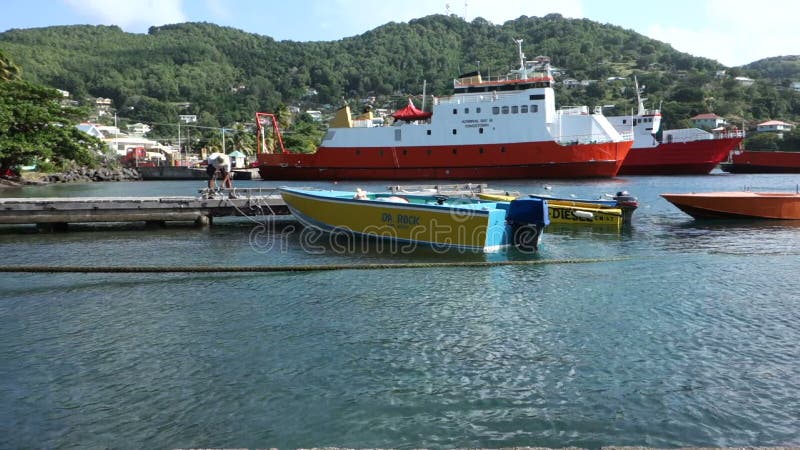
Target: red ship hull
x=465, y=162
x=763, y=162
x=679, y=158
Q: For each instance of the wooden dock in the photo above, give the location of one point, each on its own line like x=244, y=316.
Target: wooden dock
x=58, y=212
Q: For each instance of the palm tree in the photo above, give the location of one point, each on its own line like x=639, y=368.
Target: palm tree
x=8, y=70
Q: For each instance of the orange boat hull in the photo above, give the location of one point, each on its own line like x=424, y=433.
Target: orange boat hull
x=733, y=205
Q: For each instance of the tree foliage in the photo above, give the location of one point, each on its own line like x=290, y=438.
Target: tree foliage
x=35, y=127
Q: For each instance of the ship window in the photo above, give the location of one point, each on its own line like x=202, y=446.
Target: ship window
x=429, y=152
x=480, y=131
x=455, y=110
x=495, y=110
x=478, y=110
x=523, y=109
x=429, y=132
x=466, y=110
x=515, y=109
x=624, y=121
x=534, y=108
x=398, y=134
x=480, y=151
x=455, y=151
x=380, y=153
x=502, y=149
x=505, y=109
x=536, y=97
x=405, y=152
x=358, y=152
x=455, y=131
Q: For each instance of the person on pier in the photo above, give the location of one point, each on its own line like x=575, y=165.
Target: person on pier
x=219, y=164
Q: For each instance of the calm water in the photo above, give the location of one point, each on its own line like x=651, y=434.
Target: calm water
x=686, y=336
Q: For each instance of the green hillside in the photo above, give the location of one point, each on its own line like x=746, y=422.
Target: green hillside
x=226, y=75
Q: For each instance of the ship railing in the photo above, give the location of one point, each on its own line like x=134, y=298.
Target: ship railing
x=513, y=77
x=472, y=98
x=574, y=110
x=730, y=134
x=702, y=136
x=592, y=138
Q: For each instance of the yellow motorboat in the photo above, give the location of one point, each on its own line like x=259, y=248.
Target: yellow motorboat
x=563, y=211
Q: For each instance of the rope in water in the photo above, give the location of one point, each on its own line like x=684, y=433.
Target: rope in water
x=304, y=268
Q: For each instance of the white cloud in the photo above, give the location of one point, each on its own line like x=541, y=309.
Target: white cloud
x=130, y=15
x=735, y=32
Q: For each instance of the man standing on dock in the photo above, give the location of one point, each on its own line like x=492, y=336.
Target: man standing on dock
x=219, y=164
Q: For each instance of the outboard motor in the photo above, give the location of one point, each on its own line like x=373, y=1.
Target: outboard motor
x=527, y=218
x=627, y=203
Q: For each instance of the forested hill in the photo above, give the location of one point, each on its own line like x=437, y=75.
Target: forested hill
x=227, y=75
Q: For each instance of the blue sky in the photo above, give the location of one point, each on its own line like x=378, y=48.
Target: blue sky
x=733, y=32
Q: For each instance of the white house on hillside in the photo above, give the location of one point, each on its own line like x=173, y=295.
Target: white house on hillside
x=774, y=126
x=707, y=121
x=138, y=129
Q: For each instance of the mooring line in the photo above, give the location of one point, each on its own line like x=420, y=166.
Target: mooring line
x=304, y=268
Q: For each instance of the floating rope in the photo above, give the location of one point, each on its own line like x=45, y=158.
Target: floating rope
x=304, y=268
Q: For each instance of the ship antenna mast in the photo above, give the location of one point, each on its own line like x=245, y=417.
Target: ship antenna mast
x=638, y=96
x=521, y=55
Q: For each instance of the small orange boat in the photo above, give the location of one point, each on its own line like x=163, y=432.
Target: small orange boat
x=738, y=205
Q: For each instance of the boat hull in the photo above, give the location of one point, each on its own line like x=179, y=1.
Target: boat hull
x=480, y=227
x=738, y=205
x=583, y=214
x=464, y=162
x=679, y=158
x=763, y=162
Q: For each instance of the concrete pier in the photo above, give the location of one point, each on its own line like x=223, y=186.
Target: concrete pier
x=56, y=213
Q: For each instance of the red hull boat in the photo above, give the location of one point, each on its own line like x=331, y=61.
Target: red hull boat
x=467, y=162
x=679, y=158
x=687, y=151
x=763, y=162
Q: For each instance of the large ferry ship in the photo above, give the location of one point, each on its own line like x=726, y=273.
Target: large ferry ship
x=686, y=151
x=490, y=128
